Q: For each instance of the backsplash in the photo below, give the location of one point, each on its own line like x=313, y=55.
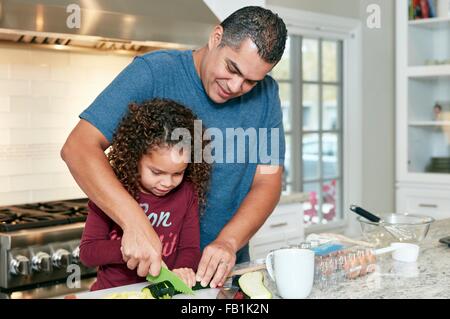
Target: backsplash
x=42, y=93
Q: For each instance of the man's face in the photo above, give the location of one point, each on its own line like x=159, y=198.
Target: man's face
x=227, y=73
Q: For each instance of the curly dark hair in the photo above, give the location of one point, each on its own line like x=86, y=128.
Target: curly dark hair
x=150, y=125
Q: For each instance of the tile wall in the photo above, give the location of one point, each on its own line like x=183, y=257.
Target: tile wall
x=42, y=92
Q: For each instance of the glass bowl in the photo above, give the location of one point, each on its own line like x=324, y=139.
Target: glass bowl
x=394, y=226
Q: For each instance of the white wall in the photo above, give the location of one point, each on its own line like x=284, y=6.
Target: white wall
x=343, y=8
x=41, y=95
x=378, y=88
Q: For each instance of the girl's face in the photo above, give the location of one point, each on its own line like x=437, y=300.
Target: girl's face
x=162, y=170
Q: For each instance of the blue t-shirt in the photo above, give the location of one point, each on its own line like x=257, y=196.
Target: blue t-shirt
x=172, y=75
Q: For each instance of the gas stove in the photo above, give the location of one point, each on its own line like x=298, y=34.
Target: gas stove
x=42, y=214
x=39, y=243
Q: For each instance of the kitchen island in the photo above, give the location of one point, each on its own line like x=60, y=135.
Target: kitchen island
x=429, y=277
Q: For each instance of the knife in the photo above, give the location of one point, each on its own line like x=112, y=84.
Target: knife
x=227, y=293
x=230, y=290
x=247, y=269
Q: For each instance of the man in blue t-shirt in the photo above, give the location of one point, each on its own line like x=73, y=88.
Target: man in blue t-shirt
x=226, y=84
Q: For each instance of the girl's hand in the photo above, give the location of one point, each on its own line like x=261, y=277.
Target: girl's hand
x=187, y=275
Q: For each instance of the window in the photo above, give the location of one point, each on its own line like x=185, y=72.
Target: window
x=311, y=89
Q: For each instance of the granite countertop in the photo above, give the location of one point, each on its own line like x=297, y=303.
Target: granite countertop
x=427, y=278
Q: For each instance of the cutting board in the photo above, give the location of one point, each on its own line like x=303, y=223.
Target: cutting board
x=210, y=293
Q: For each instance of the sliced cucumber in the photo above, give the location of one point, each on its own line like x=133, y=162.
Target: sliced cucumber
x=160, y=290
x=252, y=284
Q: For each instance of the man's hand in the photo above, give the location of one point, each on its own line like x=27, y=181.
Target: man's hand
x=219, y=257
x=141, y=249
x=187, y=275
x=216, y=263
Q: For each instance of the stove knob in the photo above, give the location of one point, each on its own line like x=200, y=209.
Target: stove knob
x=20, y=266
x=61, y=258
x=76, y=255
x=41, y=262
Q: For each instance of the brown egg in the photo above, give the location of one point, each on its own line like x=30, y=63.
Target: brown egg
x=363, y=262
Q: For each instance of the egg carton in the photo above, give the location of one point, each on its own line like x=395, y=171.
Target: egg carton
x=343, y=262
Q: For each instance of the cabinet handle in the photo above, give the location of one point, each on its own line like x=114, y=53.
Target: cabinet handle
x=428, y=205
x=278, y=225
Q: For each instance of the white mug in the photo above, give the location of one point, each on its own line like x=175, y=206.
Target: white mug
x=292, y=269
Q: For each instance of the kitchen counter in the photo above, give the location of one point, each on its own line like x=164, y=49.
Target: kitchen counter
x=429, y=277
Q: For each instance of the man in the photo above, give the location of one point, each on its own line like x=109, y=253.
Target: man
x=225, y=84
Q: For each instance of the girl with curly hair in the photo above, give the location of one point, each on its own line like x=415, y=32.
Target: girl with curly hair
x=166, y=181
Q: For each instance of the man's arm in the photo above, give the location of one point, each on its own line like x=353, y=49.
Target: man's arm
x=219, y=256
x=84, y=154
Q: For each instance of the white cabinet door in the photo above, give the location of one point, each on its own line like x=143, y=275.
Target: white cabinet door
x=283, y=227
x=431, y=202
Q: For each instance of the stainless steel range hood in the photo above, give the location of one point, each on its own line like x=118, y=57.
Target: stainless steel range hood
x=131, y=26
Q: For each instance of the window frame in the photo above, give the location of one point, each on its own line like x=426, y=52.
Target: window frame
x=314, y=25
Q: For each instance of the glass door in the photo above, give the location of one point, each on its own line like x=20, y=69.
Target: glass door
x=428, y=88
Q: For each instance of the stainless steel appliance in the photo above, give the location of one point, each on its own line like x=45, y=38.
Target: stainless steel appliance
x=132, y=26
x=39, y=249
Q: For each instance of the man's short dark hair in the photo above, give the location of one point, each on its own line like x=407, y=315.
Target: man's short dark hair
x=265, y=28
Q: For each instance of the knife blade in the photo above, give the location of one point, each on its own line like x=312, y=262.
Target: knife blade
x=241, y=271
x=227, y=293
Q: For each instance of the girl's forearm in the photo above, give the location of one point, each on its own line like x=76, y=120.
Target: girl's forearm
x=101, y=252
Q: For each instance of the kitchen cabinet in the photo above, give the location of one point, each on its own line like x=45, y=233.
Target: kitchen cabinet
x=431, y=201
x=422, y=114
x=283, y=227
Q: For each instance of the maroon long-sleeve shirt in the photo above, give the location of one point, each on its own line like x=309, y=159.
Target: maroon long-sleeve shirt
x=175, y=219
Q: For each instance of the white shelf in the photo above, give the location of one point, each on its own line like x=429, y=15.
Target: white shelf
x=429, y=71
x=432, y=23
x=429, y=123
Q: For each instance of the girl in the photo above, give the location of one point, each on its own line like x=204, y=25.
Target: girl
x=164, y=179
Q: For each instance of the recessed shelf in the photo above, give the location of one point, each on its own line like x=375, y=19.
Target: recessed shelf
x=432, y=23
x=429, y=71
x=429, y=123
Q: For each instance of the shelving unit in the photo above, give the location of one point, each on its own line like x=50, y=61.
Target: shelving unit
x=422, y=80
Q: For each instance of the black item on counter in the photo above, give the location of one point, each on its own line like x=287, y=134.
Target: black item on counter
x=161, y=290
x=445, y=240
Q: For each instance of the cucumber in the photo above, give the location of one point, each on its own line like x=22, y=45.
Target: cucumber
x=160, y=290
x=252, y=284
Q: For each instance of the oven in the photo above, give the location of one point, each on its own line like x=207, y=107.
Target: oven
x=39, y=250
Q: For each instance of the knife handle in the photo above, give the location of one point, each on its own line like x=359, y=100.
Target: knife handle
x=242, y=271
x=238, y=272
